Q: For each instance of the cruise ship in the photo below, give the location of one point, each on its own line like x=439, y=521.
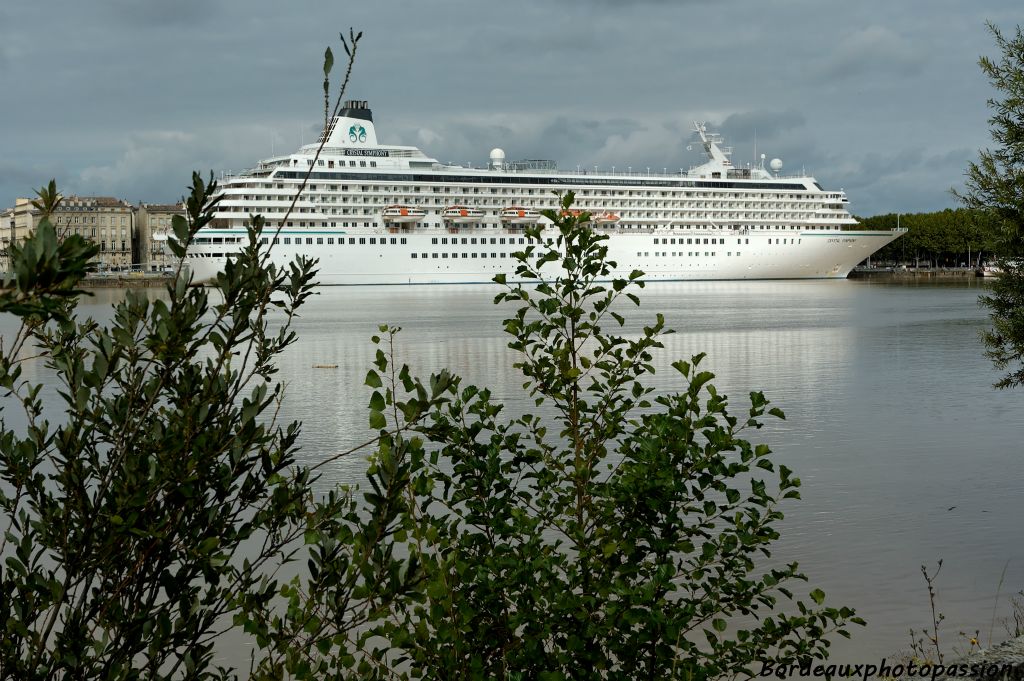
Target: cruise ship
x=388, y=214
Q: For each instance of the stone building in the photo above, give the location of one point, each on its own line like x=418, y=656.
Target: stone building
x=154, y=226
x=105, y=220
x=7, y=236
x=18, y=222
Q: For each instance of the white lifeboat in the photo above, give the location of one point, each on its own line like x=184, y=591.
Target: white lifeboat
x=462, y=214
x=517, y=215
x=398, y=213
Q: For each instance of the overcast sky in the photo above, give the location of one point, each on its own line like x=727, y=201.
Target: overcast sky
x=882, y=98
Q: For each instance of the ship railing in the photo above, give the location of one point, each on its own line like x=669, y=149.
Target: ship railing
x=617, y=173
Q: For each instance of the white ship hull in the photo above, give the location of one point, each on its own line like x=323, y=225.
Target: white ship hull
x=715, y=221
x=810, y=255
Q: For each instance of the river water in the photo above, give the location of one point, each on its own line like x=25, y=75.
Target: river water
x=906, y=453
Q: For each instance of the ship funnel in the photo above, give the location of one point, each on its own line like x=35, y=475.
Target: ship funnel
x=353, y=126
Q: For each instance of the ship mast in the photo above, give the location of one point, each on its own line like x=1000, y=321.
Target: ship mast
x=711, y=142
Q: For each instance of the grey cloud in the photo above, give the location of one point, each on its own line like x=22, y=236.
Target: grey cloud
x=179, y=13
x=961, y=157
x=880, y=183
x=582, y=136
x=875, y=166
x=629, y=5
x=26, y=177
x=749, y=127
x=873, y=50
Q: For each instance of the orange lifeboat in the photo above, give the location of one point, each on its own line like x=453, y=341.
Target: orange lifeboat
x=606, y=218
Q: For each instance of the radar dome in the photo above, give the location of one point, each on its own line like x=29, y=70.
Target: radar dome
x=776, y=164
x=497, y=158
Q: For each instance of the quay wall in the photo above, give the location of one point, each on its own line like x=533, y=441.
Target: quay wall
x=910, y=273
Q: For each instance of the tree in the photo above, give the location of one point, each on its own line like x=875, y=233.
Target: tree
x=995, y=185
x=623, y=537
x=149, y=505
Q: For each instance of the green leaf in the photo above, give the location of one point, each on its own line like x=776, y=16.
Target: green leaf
x=377, y=401
x=377, y=420
x=373, y=379
x=328, y=61
x=818, y=596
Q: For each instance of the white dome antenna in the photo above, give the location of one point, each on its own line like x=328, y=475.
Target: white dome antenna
x=776, y=165
x=497, y=159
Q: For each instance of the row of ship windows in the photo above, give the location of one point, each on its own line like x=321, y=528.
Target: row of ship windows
x=465, y=255
x=644, y=185
x=298, y=240
x=690, y=254
x=723, y=201
x=581, y=193
x=714, y=240
x=685, y=216
x=330, y=164
x=323, y=224
x=341, y=240
x=454, y=240
x=341, y=164
x=483, y=240
x=456, y=255
x=489, y=208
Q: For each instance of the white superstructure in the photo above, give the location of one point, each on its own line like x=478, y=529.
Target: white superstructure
x=385, y=214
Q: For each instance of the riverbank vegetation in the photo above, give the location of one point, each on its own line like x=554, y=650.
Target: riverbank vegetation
x=995, y=188
x=955, y=237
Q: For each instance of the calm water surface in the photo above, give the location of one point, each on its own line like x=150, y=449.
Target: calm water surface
x=892, y=420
